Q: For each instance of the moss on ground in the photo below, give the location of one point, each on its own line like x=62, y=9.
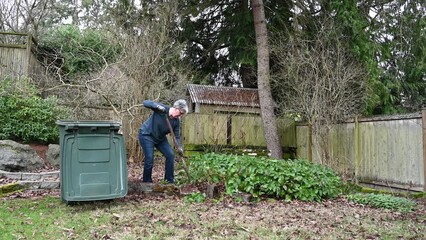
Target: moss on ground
x=10, y=188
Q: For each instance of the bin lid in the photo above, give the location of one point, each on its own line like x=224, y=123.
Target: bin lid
x=88, y=123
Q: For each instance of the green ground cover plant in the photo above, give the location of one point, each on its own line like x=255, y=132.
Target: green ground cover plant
x=261, y=176
x=195, y=197
x=383, y=201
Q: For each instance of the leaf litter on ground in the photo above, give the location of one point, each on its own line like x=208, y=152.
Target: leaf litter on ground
x=161, y=216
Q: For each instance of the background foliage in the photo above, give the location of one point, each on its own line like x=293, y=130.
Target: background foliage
x=386, y=37
x=25, y=116
x=75, y=52
x=136, y=50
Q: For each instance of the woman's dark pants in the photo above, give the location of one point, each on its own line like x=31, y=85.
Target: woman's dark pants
x=148, y=144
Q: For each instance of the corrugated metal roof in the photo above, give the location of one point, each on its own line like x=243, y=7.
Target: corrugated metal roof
x=230, y=96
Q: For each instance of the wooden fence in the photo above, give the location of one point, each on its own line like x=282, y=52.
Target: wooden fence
x=387, y=151
x=233, y=130
x=16, y=56
x=381, y=151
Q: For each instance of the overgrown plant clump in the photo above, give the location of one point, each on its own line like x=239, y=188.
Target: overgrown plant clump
x=25, y=116
x=74, y=51
x=260, y=176
x=383, y=201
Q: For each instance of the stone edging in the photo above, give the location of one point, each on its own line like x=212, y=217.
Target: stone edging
x=50, y=180
x=44, y=180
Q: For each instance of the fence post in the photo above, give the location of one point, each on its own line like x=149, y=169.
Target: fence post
x=229, y=130
x=28, y=67
x=357, y=153
x=424, y=147
x=310, y=142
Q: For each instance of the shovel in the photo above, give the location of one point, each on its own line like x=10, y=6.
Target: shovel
x=176, y=147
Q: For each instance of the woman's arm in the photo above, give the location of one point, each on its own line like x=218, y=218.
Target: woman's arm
x=157, y=107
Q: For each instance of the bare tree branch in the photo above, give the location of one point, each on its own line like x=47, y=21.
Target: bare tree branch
x=318, y=80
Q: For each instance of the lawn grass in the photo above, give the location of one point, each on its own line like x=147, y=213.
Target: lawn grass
x=49, y=218
x=170, y=217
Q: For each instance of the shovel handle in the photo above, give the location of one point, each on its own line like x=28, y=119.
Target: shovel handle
x=171, y=132
x=176, y=147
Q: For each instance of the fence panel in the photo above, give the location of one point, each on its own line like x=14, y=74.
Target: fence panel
x=391, y=153
x=287, y=131
x=342, y=148
x=198, y=129
x=387, y=151
x=247, y=131
x=17, y=57
x=340, y=144
x=302, y=141
x=13, y=62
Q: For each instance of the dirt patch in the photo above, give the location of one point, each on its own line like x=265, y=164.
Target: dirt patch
x=40, y=149
x=135, y=170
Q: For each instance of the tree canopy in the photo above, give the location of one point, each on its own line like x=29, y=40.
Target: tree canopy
x=386, y=37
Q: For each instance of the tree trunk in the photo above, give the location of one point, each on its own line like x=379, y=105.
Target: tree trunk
x=266, y=102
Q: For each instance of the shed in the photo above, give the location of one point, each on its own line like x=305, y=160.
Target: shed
x=219, y=99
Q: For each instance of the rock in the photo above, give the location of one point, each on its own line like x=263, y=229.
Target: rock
x=152, y=188
x=52, y=155
x=243, y=197
x=40, y=185
x=212, y=191
x=16, y=157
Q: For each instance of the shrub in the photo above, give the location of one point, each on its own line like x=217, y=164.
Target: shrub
x=24, y=115
x=383, y=201
x=82, y=51
x=260, y=176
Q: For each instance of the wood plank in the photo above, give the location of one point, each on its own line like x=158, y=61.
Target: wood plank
x=424, y=147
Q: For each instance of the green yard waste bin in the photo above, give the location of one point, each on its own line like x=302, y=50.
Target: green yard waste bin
x=93, y=160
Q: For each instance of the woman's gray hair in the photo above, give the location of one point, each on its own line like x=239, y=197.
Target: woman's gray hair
x=181, y=105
